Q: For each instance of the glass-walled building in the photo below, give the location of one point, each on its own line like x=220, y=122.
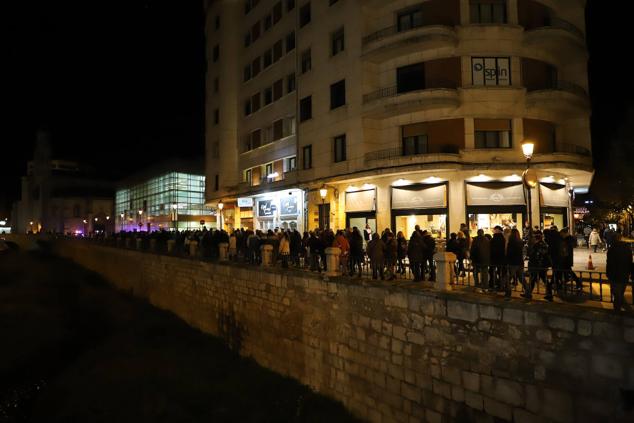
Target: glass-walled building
x=171, y=200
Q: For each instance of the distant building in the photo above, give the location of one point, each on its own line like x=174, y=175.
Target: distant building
x=168, y=195
x=61, y=196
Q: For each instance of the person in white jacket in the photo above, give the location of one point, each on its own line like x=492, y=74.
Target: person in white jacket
x=595, y=239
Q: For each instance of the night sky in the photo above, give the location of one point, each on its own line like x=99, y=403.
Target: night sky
x=121, y=84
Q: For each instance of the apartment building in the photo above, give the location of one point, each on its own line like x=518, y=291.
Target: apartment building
x=340, y=113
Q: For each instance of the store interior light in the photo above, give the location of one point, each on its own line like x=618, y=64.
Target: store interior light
x=367, y=186
x=352, y=188
x=323, y=191
x=513, y=178
x=400, y=182
x=481, y=178
x=273, y=175
x=140, y=212
x=431, y=180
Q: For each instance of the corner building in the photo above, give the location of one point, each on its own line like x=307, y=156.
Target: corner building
x=400, y=112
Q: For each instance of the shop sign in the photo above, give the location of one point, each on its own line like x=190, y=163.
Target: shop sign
x=478, y=195
x=245, y=202
x=266, y=208
x=202, y=222
x=425, y=198
x=581, y=210
x=361, y=201
x=288, y=205
x=557, y=197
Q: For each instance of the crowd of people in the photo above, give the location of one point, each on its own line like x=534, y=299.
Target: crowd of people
x=497, y=261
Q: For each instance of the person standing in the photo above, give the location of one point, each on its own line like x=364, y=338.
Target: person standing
x=356, y=251
x=619, y=270
x=586, y=234
x=498, y=258
x=481, y=258
x=515, y=261
x=376, y=253
x=285, y=249
x=428, y=255
x=391, y=253
x=401, y=251
x=566, y=258
x=415, y=255
x=538, y=264
x=594, y=239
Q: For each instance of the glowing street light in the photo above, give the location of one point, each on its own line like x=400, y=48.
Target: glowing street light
x=529, y=177
x=528, y=147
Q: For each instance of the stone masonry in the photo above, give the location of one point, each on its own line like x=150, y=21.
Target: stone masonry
x=388, y=353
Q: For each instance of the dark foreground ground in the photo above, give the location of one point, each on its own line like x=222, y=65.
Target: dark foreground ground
x=72, y=349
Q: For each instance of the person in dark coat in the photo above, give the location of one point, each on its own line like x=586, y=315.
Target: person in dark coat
x=498, y=259
x=481, y=259
x=452, y=247
x=296, y=245
x=401, y=251
x=415, y=255
x=316, y=248
x=514, y=260
x=619, y=270
x=376, y=253
x=538, y=264
x=428, y=255
x=555, y=245
x=566, y=259
x=391, y=253
x=356, y=251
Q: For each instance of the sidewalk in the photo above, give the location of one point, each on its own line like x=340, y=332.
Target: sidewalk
x=581, y=259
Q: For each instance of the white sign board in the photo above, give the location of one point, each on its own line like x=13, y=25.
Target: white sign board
x=245, y=202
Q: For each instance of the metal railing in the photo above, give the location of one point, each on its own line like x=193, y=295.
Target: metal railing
x=392, y=30
x=393, y=91
x=564, y=147
x=560, y=86
x=559, y=23
x=395, y=152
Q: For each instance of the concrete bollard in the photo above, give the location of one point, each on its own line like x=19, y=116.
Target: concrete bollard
x=139, y=243
x=153, y=245
x=332, y=260
x=444, y=270
x=171, y=245
x=267, y=255
x=193, y=248
x=223, y=247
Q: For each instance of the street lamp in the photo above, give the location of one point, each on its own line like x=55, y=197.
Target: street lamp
x=121, y=221
x=220, y=207
x=323, y=191
x=174, y=215
x=529, y=178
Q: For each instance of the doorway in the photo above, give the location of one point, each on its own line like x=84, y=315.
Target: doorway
x=324, y=216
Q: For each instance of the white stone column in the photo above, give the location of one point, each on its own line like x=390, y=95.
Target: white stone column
x=444, y=270
x=465, y=16
x=511, y=12
x=267, y=255
x=223, y=247
x=469, y=133
x=457, y=207
x=332, y=259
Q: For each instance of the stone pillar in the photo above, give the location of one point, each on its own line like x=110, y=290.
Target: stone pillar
x=444, y=270
x=139, y=243
x=332, y=259
x=171, y=244
x=193, y=248
x=153, y=245
x=267, y=255
x=223, y=247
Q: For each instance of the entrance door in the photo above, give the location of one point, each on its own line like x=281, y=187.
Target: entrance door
x=324, y=216
x=360, y=220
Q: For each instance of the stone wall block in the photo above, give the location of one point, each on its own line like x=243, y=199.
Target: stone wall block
x=460, y=310
x=561, y=323
x=490, y=312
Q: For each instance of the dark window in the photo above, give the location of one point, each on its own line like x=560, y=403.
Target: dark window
x=217, y=22
x=331, y=2
x=255, y=67
x=409, y=19
x=493, y=139
x=277, y=12
x=249, y=176
x=278, y=89
x=414, y=144
x=256, y=138
x=278, y=50
x=304, y=15
x=269, y=169
x=267, y=58
x=338, y=94
x=247, y=107
x=255, y=102
x=216, y=53
x=305, y=108
x=268, y=96
x=337, y=44
x=76, y=211
x=291, y=164
x=247, y=72
x=216, y=85
x=255, y=32
x=410, y=78
x=290, y=41
x=217, y=182
x=216, y=116
x=268, y=22
x=247, y=39
x=290, y=5
x=306, y=61
x=340, y=148
x=290, y=83
x=307, y=157
x=278, y=129
x=488, y=11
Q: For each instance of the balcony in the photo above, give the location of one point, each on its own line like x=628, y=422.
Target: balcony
x=389, y=42
x=388, y=102
x=395, y=156
x=559, y=38
x=562, y=97
x=282, y=181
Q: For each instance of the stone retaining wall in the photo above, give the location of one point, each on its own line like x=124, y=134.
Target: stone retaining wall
x=394, y=353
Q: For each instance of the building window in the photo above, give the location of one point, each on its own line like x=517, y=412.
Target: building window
x=491, y=70
x=306, y=61
x=410, y=78
x=255, y=102
x=488, y=11
x=268, y=22
x=247, y=39
x=304, y=15
x=248, y=176
x=290, y=83
x=338, y=94
x=337, y=42
x=277, y=12
x=278, y=129
x=76, y=211
x=216, y=116
x=409, y=19
x=268, y=96
x=278, y=51
x=269, y=169
x=255, y=32
x=255, y=67
x=247, y=72
x=340, y=148
x=331, y=2
x=414, y=144
x=289, y=164
x=307, y=157
x=247, y=107
x=492, y=133
x=217, y=22
x=290, y=41
x=278, y=89
x=290, y=5
x=216, y=85
x=256, y=138
x=267, y=58
x=216, y=53
x=305, y=108
x=217, y=182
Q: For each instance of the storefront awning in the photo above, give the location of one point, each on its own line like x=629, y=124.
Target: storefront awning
x=495, y=193
x=361, y=201
x=419, y=197
x=553, y=195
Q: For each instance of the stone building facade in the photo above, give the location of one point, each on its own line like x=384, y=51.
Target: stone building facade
x=402, y=112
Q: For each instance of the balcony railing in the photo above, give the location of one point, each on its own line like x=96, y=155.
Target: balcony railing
x=392, y=30
x=264, y=181
x=561, y=86
x=572, y=148
x=566, y=26
x=395, y=152
x=393, y=90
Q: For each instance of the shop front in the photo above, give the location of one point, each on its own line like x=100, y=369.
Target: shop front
x=491, y=204
x=553, y=205
x=361, y=209
x=423, y=205
x=281, y=209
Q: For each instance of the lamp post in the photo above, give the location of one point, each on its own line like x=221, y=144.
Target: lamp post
x=323, y=192
x=529, y=178
x=220, y=207
x=121, y=222
x=174, y=215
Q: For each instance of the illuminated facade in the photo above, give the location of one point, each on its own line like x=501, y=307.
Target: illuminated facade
x=170, y=200
x=405, y=112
